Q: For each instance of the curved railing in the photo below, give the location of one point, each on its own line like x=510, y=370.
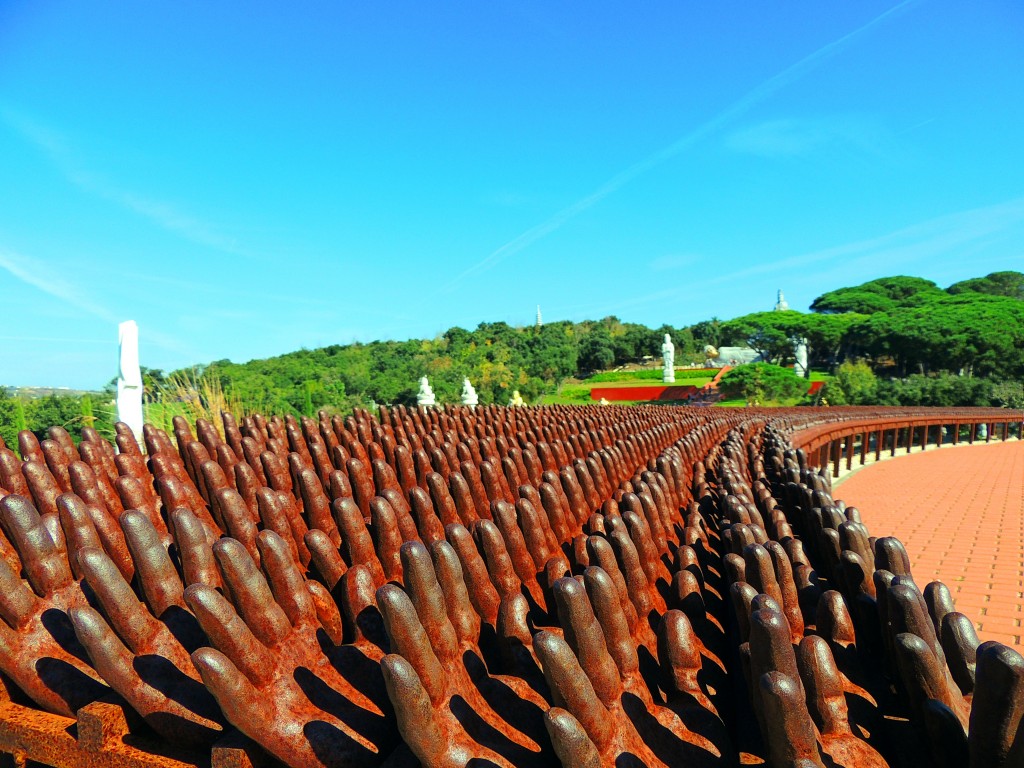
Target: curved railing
x=887, y=430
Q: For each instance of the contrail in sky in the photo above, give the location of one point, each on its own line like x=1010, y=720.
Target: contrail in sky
x=752, y=98
x=166, y=216
x=37, y=274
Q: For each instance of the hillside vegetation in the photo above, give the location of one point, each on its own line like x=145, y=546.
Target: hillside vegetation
x=923, y=345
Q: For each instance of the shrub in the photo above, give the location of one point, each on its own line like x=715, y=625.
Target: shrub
x=854, y=384
x=761, y=383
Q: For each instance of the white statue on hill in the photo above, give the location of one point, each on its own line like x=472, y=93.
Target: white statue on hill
x=668, y=356
x=469, y=396
x=426, y=395
x=517, y=399
x=800, y=355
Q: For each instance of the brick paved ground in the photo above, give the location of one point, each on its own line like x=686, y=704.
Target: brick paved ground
x=960, y=513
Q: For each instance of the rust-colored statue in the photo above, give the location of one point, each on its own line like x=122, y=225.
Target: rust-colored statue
x=488, y=586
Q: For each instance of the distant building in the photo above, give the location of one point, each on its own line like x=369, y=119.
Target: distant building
x=781, y=305
x=734, y=356
x=540, y=322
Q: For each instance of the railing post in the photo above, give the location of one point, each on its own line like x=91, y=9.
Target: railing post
x=835, y=448
x=1006, y=430
x=988, y=432
x=879, y=438
x=863, y=446
x=849, y=452
x=956, y=433
x=974, y=431
x=895, y=440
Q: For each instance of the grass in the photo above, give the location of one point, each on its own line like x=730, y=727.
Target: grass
x=690, y=382
x=649, y=374
x=557, y=399
x=195, y=396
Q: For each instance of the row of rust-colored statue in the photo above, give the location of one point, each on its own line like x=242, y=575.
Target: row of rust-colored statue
x=491, y=586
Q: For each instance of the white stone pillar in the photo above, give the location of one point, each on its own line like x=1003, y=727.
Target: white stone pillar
x=129, y=378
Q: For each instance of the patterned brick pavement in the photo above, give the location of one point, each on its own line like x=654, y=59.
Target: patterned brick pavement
x=960, y=513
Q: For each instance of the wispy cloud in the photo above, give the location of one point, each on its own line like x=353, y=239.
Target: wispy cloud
x=509, y=199
x=930, y=239
x=164, y=215
x=934, y=241
x=803, y=137
x=746, y=102
x=61, y=340
x=37, y=274
x=674, y=261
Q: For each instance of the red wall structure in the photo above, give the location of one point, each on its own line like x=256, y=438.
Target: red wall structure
x=619, y=394
x=614, y=394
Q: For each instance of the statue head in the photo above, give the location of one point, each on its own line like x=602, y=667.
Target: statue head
x=668, y=339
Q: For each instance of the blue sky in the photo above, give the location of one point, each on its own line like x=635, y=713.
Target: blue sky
x=245, y=179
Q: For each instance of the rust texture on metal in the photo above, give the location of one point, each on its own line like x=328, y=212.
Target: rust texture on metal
x=492, y=586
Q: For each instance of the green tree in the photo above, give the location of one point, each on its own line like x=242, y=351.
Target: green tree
x=828, y=336
x=11, y=412
x=767, y=333
x=854, y=384
x=762, y=383
x=882, y=295
x=633, y=342
x=1008, y=394
x=552, y=352
x=939, y=390
x=970, y=332
x=53, y=411
x=1010, y=284
x=596, y=350
x=707, y=332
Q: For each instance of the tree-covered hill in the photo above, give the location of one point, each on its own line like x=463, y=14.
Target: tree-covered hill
x=496, y=357
x=903, y=326
x=963, y=345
